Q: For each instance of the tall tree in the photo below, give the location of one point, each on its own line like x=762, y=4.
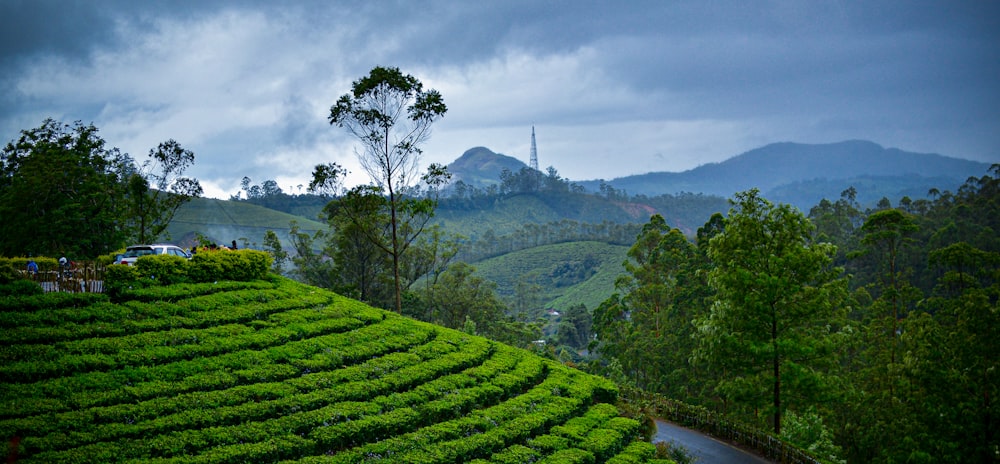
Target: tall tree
x=648, y=327
x=772, y=325
x=158, y=189
x=391, y=114
x=886, y=235
x=62, y=192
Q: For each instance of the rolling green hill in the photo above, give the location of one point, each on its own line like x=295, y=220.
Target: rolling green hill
x=569, y=273
x=223, y=221
x=506, y=214
x=270, y=371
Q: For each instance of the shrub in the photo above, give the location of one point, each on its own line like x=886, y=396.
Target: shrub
x=20, y=287
x=164, y=269
x=118, y=278
x=241, y=265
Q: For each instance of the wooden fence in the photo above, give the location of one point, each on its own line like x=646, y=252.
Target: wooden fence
x=85, y=276
x=718, y=426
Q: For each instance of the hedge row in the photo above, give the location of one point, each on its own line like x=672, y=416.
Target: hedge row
x=157, y=270
x=213, y=373
x=111, y=320
x=251, y=421
x=482, y=431
x=163, y=347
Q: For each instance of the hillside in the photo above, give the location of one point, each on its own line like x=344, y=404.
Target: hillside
x=839, y=164
x=568, y=274
x=505, y=214
x=274, y=370
x=223, y=221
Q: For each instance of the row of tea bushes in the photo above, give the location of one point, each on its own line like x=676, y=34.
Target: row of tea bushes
x=272, y=370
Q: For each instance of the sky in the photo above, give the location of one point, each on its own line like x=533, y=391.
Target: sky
x=611, y=88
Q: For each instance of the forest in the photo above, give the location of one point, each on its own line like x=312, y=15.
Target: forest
x=862, y=334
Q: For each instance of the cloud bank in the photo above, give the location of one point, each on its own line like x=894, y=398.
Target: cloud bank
x=612, y=90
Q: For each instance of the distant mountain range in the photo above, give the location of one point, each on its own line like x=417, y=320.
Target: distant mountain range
x=795, y=173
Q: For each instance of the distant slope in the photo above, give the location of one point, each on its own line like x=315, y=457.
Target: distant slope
x=869, y=189
x=481, y=167
x=223, y=221
x=270, y=371
x=778, y=164
x=506, y=214
x=568, y=273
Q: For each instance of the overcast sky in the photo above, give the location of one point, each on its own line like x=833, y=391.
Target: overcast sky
x=612, y=88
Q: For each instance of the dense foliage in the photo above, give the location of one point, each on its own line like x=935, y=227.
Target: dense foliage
x=272, y=370
x=865, y=335
x=64, y=192
x=61, y=192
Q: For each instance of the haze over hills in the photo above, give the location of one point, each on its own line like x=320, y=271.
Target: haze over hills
x=826, y=169
x=795, y=173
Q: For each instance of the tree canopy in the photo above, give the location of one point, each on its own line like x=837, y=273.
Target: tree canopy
x=62, y=192
x=65, y=192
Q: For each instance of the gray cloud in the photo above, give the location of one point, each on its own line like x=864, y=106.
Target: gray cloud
x=653, y=85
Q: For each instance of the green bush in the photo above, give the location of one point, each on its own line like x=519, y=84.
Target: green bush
x=241, y=265
x=204, y=267
x=19, y=287
x=163, y=269
x=118, y=278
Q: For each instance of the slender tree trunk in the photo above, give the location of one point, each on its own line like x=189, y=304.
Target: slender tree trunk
x=395, y=253
x=392, y=220
x=776, y=364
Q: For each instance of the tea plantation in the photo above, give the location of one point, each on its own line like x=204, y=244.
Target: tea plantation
x=275, y=371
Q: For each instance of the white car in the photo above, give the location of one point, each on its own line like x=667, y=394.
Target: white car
x=133, y=252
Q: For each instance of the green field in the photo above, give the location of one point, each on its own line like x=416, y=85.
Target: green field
x=269, y=371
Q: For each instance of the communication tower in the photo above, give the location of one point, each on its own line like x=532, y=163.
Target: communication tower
x=534, y=151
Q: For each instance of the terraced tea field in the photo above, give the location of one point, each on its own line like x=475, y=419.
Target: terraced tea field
x=275, y=371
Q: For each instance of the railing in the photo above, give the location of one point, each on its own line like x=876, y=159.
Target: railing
x=720, y=427
x=80, y=277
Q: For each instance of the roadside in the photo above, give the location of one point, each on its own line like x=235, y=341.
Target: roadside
x=705, y=449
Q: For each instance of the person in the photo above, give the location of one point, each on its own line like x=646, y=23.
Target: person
x=64, y=266
x=32, y=267
x=234, y=244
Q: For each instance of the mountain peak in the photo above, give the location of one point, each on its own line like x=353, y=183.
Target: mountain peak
x=481, y=167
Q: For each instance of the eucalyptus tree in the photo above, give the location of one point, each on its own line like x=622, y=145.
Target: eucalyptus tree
x=391, y=114
x=773, y=327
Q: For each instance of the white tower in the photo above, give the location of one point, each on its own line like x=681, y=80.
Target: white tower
x=534, y=151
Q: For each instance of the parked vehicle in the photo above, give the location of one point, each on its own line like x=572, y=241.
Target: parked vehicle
x=133, y=252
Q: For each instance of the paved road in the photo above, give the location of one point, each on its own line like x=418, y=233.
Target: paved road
x=706, y=449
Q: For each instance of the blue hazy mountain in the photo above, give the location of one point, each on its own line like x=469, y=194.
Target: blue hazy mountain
x=802, y=174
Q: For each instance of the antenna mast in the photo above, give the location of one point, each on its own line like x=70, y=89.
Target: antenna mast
x=534, y=151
